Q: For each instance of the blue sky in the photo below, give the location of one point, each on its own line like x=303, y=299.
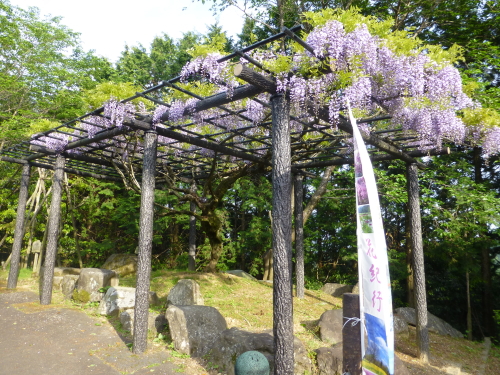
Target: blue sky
x=107, y=25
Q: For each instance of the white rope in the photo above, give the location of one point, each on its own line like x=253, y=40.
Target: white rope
x=355, y=320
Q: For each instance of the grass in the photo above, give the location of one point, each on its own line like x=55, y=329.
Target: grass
x=247, y=305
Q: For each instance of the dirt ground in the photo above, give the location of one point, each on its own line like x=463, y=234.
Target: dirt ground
x=50, y=340
x=57, y=339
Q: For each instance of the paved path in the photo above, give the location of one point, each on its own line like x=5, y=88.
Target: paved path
x=48, y=340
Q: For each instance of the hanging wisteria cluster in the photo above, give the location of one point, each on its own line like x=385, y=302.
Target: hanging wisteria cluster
x=355, y=67
x=419, y=94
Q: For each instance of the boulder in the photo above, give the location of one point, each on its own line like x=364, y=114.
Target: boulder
x=330, y=326
x=234, y=342
x=156, y=322
x=336, y=290
x=241, y=273
x=400, y=325
x=302, y=362
x=195, y=329
x=68, y=285
x=62, y=271
x=435, y=324
x=330, y=361
x=93, y=279
x=56, y=282
x=59, y=273
x=121, y=298
x=122, y=264
x=355, y=289
x=185, y=293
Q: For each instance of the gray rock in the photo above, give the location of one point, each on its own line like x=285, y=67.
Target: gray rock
x=336, y=290
x=234, y=342
x=435, y=324
x=330, y=362
x=355, y=289
x=185, y=293
x=330, y=326
x=156, y=322
x=122, y=264
x=302, y=362
x=400, y=325
x=121, y=298
x=241, y=273
x=195, y=329
x=61, y=271
x=56, y=282
x=68, y=285
x=93, y=279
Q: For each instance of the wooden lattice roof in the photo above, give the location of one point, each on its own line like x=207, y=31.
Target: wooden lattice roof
x=188, y=150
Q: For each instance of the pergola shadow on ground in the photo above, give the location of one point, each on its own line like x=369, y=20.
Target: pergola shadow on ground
x=222, y=137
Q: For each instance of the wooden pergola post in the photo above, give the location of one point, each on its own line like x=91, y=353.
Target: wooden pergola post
x=141, y=309
x=52, y=231
x=19, y=230
x=192, y=234
x=351, y=335
x=299, y=235
x=417, y=250
x=282, y=231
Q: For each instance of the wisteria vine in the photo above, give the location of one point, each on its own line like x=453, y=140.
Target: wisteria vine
x=419, y=94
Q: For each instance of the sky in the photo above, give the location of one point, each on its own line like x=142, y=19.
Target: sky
x=106, y=26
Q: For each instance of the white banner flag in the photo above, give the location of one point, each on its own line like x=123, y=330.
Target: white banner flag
x=374, y=281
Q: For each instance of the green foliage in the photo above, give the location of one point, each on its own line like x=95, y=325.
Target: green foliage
x=164, y=60
x=216, y=41
x=103, y=92
x=42, y=71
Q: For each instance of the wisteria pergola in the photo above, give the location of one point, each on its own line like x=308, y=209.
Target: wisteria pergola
x=191, y=154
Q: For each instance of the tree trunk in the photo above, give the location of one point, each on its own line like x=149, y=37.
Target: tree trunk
x=487, y=309
x=418, y=262
x=410, y=283
x=299, y=236
x=192, y=239
x=71, y=209
x=212, y=226
x=243, y=228
x=469, y=311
